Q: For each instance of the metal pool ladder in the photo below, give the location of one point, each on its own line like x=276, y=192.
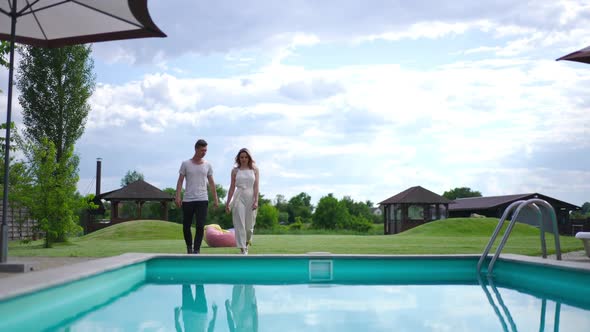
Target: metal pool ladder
x=540, y=207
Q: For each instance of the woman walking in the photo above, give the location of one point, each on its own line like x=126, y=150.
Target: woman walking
x=242, y=198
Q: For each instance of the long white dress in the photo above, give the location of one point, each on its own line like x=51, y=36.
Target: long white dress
x=243, y=216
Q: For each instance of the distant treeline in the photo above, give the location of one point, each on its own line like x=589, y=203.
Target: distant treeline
x=294, y=213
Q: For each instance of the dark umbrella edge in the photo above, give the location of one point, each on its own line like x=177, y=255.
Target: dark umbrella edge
x=582, y=55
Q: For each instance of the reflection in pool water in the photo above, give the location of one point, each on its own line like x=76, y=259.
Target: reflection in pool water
x=193, y=311
x=242, y=311
x=331, y=307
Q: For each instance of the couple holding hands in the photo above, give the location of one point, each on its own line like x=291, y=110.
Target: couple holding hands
x=242, y=198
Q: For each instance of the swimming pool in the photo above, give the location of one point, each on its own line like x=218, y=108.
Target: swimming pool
x=306, y=292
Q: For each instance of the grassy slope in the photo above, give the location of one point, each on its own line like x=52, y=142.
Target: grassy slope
x=451, y=236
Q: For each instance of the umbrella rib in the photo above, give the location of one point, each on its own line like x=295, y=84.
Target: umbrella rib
x=109, y=14
x=33, y=11
x=37, y=20
x=26, y=7
x=9, y=7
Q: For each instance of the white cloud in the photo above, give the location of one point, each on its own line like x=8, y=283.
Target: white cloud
x=431, y=30
x=222, y=28
x=372, y=130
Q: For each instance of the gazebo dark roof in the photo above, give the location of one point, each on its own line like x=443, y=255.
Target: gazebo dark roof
x=473, y=203
x=416, y=195
x=138, y=190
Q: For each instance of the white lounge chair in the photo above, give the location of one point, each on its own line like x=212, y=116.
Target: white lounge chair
x=585, y=237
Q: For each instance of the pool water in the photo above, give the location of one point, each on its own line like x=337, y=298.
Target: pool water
x=309, y=295
x=321, y=308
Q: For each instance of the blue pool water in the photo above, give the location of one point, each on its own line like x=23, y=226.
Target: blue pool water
x=303, y=294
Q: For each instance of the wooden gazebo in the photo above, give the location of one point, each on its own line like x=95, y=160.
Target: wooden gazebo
x=139, y=192
x=412, y=207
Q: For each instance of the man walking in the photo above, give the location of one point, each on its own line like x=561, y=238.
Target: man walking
x=197, y=172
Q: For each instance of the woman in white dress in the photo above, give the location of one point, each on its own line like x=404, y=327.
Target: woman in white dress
x=242, y=198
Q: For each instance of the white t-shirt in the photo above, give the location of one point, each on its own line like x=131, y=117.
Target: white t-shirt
x=196, y=180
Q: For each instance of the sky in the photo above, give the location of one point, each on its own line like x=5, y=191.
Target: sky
x=355, y=98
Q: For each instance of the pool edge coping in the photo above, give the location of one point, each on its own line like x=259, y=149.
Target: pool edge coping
x=30, y=282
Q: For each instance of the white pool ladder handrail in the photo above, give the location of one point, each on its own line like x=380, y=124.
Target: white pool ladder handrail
x=519, y=205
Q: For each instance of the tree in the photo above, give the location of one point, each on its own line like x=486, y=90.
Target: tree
x=130, y=177
x=281, y=203
x=19, y=178
x=54, y=192
x=361, y=214
x=462, y=192
x=174, y=213
x=221, y=192
x=4, y=50
x=359, y=209
x=330, y=214
x=263, y=201
x=128, y=209
x=55, y=85
x=284, y=218
x=583, y=213
x=300, y=206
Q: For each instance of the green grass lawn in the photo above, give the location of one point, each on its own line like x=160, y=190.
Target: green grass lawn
x=451, y=236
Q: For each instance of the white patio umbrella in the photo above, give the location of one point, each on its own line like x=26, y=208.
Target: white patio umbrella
x=57, y=23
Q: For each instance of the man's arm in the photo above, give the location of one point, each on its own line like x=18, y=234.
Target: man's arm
x=213, y=190
x=230, y=316
x=211, y=327
x=177, y=320
x=178, y=199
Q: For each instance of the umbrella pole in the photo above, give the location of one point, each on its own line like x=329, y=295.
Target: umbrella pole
x=4, y=229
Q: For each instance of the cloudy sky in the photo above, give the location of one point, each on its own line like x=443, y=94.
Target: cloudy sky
x=358, y=98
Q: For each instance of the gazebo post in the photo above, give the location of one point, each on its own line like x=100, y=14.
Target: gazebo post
x=165, y=208
x=396, y=221
x=114, y=210
x=405, y=216
x=385, y=218
x=139, y=205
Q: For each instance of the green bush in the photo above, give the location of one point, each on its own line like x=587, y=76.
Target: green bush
x=298, y=225
x=267, y=217
x=360, y=224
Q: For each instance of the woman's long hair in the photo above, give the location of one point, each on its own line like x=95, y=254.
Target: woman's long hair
x=251, y=161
